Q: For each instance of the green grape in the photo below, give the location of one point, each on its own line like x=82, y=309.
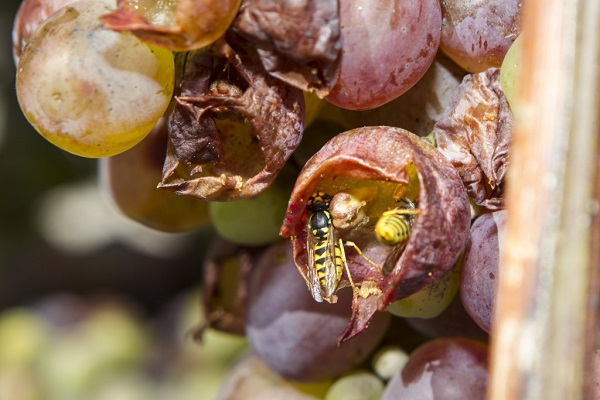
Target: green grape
x=389, y=361
x=430, y=301
x=359, y=385
x=509, y=72
x=253, y=222
x=89, y=90
x=23, y=334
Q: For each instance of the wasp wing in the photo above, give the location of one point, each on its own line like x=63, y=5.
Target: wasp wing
x=311, y=271
x=392, y=258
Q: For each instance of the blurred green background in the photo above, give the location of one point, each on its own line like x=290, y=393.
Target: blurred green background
x=56, y=232
x=92, y=305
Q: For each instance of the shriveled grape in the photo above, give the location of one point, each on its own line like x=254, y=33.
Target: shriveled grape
x=403, y=39
x=88, y=90
x=443, y=369
x=295, y=335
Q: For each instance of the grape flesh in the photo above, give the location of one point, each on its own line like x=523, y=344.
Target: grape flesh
x=89, y=90
x=442, y=369
x=295, y=335
x=403, y=39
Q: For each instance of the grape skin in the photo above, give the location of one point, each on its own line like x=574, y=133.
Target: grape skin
x=88, y=90
x=480, y=267
x=293, y=334
x=444, y=369
x=477, y=34
x=403, y=41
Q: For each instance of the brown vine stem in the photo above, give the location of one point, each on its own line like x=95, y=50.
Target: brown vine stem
x=544, y=302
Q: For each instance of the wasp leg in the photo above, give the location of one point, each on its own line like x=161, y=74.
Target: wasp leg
x=343, y=254
x=360, y=253
x=400, y=211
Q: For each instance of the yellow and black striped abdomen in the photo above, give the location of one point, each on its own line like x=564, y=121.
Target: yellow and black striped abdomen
x=393, y=227
x=327, y=254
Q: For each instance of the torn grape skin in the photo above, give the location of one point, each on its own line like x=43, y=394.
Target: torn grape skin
x=233, y=126
x=474, y=134
x=439, y=232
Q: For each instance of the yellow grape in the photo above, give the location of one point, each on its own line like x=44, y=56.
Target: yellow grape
x=89, y=90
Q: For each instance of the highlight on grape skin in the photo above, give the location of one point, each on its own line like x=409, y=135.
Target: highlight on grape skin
x=89, y=90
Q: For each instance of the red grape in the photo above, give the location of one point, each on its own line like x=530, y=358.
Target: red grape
x=477, y=34
x=403, y=39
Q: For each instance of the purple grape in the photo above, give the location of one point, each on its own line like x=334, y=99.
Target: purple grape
x=295, y=335
x=480, y=267
x=444, y=369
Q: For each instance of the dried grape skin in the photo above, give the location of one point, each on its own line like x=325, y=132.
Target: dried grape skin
x=474, y=134
x=294, y=334
x=444, y=369
x=479, y=279
x=298, y=42
x=477, y=34
x=403, y=38
x=233, y=128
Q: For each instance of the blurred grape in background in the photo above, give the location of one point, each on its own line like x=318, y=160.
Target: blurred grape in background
x=83, y=290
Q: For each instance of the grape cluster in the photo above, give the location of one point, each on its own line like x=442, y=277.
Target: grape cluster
x=241, y=115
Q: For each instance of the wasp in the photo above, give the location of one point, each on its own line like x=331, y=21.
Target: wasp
x=326, y=256
x=393, y=229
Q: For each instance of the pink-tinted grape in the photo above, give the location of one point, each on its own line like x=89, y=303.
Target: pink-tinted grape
x=419, y=108
x=477, y=34
x=30, y=15
x=442, y=369
x=295, y=335
x=89, y=90
x=388, y=46
x=479, y=278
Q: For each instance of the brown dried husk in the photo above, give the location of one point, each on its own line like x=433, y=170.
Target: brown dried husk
x=195, y=23
x=239, y=160
x=474, y=134
x=225, y=287
x=439, y=232
x=298, y=42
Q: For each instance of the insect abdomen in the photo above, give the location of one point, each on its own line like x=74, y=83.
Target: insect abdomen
x=320, y=226
x=393, y=229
